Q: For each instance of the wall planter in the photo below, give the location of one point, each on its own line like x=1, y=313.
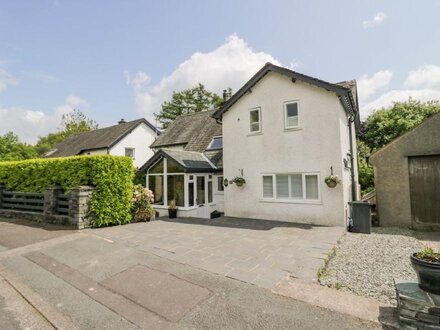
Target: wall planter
x=427, y=267
x=332, y=181
x=239, y=181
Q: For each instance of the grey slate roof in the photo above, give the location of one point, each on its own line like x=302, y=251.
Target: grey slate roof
x=192, y=161
x=344, y=93
x=195, y=131
x=102, y=138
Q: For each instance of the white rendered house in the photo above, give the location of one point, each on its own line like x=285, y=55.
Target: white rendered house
x=284, y=132
x=130, y=139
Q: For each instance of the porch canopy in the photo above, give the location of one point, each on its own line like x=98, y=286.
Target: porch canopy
x=185, y=177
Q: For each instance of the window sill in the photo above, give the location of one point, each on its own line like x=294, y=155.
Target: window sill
x=290, y=201
x=292, y=129
x=256, y=133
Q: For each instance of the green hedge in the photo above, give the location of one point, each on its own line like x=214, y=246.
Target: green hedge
x=112, y=177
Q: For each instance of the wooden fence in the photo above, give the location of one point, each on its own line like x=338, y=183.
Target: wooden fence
x=22, y=201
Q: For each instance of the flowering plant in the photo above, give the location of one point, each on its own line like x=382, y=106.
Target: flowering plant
x=332, y=180
x=143, y=199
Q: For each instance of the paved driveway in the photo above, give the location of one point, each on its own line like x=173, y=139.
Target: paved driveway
x=253, y=251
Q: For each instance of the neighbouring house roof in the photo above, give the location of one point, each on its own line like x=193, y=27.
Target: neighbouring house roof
x=193, y=131
x=430, y=125
x=192, y=161
x=102, y=138
x=346, y=91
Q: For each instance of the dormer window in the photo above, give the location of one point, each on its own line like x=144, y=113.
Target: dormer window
x=255, y=120
x=216, y=143
x=291, y=114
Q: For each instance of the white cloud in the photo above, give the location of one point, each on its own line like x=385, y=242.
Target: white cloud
x=6, y=80
x=422, y=84
x=425, y=76
x=376, y=20
x=43, y=77
x=368, y=86
x=229, y=65
x=30, y=124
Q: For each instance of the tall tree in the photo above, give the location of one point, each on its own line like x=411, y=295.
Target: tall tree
x=191, y=100
x=384, y=125
x=12, y=149
x=72, y=123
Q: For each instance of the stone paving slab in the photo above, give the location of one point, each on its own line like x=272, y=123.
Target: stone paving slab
x=159, y=292
x=254, y=251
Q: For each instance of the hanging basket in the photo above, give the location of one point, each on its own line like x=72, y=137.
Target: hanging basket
x=331, y=184
x=332, y=181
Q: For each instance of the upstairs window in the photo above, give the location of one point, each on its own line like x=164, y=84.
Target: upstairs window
x=129, y=152
x=291, y=115
x=216, y=143
x=255, y=120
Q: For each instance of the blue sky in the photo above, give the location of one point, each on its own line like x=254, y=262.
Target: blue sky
x=115, y=59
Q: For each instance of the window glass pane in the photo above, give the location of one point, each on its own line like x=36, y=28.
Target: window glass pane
x=296, y=190
x=191, y=194
x=200, y=190
x=216, y=143
x=255, y=120
x=220, y=186
x=282, y=186
x=312, y=187
x=268, y=186
x=291, y=114
x=157, y=168
x=129, y=152
x=155, y=184
x=174, y=167
x=209, y=191
x=175, y=189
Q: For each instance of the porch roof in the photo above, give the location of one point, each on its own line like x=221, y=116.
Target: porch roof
x=190, y=160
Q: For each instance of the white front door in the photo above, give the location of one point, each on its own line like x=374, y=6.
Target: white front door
x=201, y=196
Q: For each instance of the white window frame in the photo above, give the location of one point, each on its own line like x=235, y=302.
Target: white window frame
x=259, y=120
x=217, y=191
x=285, y=114
x=132, y=149
x=291, y=199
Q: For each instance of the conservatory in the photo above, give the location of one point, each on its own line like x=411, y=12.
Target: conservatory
x=187, y=179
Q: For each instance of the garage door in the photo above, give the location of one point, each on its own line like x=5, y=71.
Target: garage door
x=424, y=178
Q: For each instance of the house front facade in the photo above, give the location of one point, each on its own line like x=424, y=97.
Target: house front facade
x=129, y=139
x=284, y=132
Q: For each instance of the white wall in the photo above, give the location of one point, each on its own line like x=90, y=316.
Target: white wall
x=140, y=139
x=315, y=147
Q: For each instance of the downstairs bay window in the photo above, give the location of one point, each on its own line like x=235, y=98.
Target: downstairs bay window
x=294, y=187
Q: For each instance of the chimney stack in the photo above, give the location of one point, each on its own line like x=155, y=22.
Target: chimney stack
x=227, y=93
x=122, y=121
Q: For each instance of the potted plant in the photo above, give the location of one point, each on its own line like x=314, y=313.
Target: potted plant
x=143, y=199
x=426, y=264
x=172, y=209
x=239, y=181
x=332, y=181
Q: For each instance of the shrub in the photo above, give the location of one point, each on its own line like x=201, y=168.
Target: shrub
x=112, y=177
x=142, y=203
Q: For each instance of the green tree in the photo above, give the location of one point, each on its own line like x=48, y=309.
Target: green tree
x=12, y=149
x=72, y=123
x=384, y=125
x=191, y=100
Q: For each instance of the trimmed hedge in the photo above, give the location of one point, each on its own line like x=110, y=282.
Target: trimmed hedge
x=112, y=177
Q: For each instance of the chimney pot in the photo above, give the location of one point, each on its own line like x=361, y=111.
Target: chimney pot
x=122, y=121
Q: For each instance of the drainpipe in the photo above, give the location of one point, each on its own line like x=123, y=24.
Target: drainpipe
x=350, y=132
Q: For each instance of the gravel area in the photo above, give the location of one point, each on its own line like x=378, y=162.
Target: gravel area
x=367, y=264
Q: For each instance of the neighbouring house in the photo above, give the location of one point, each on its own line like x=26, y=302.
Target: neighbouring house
x=187, y=166
x=124, y=139
x=407, y=178
x=284, y=132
